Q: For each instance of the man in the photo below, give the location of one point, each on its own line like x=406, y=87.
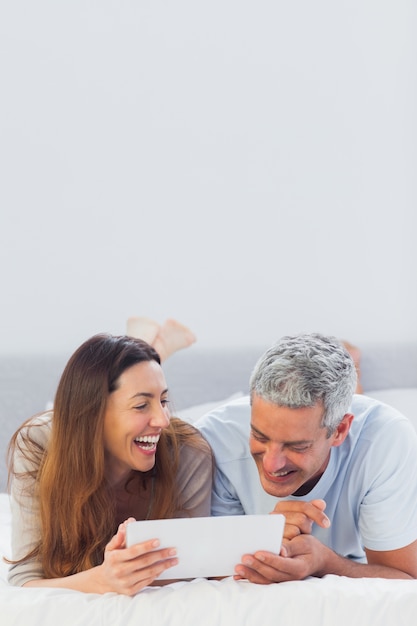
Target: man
x=302, y=444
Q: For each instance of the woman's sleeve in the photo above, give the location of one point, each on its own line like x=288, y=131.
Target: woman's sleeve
x=26, y=530
x=195, y=478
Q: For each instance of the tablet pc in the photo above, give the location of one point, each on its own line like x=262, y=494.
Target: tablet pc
x=210, y=546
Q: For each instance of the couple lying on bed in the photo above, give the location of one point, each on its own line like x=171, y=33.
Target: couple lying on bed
x=340, y=467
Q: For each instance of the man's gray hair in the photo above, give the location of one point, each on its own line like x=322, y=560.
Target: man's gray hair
x=302, y=370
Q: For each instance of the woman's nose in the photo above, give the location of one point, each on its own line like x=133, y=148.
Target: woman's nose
x=160, y=416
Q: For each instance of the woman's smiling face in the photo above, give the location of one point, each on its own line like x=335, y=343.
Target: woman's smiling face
x=136, y=412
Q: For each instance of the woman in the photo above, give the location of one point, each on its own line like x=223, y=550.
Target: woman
x=107, y=454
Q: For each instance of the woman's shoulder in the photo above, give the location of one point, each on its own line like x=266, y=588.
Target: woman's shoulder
x=28, y=446
x=37, y=428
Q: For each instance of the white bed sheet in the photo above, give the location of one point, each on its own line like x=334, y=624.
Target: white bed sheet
x=329, y=601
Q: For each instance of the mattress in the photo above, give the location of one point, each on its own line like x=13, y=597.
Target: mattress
x=318, y=602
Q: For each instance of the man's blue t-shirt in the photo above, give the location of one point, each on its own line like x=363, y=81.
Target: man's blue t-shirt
x=369, y=485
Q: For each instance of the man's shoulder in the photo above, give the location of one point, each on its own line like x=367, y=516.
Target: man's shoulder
x=230, y=415
x=226, y=428
x=376, y=422
x=374, y=412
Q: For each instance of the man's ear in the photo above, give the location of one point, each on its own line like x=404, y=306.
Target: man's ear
x=342, y=430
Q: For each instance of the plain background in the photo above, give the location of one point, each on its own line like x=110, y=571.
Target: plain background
x=248, y=168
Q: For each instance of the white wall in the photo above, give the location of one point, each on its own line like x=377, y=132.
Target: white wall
x=246, y=167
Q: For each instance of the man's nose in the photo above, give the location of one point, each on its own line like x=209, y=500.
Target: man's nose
x=274, y=459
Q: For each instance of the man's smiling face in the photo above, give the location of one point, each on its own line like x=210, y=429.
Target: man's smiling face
x=290, y=447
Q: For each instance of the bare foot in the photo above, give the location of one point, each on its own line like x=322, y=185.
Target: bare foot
x=172, y=336
x=355, y=353
x=142, y=328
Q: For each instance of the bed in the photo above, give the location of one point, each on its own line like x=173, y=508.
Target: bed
x=207, y=378
x=318, y=602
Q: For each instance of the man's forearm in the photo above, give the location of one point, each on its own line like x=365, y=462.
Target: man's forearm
x=341, y=566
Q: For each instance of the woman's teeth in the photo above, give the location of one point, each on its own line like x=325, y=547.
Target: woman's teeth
x=147, y=441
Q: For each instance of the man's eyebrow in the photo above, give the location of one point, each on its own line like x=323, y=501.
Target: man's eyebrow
x=285, y=443
x=256, y=430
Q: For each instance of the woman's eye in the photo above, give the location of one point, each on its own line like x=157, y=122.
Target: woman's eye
x=165, y=402
x=140, y=407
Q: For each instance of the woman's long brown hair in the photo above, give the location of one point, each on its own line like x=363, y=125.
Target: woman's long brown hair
x=76, y=507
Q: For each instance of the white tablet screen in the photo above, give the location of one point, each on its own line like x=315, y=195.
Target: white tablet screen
x=210, y=546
